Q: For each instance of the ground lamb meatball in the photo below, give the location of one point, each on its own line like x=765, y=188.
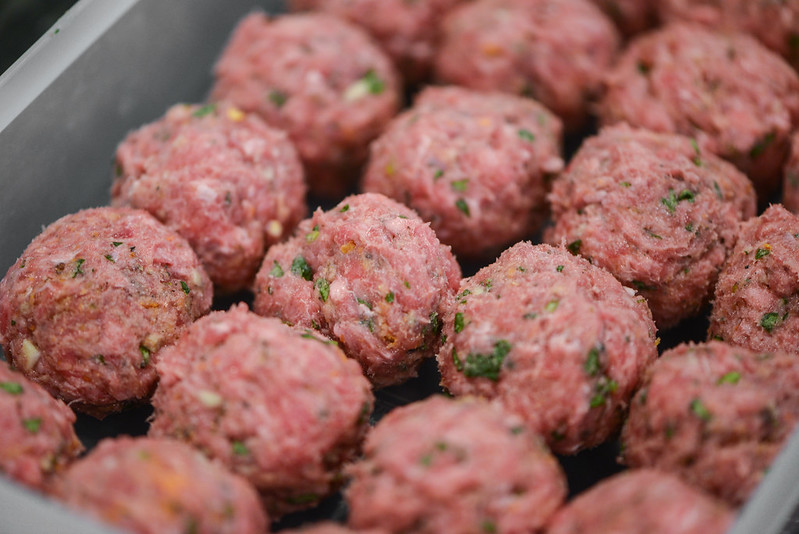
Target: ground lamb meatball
x=87, y=307
x=714, y=414
x=37, y=439
x=656, y=210
x=738, y=99
x=775, y=23
x=553, y=50
x=557, y=340
x=408, y=31
x=756, y=302
x=320, y=79
x=222, y=179
x=443, y=465
x=156, y=486
x=369, y=274
x=643, y=501
x=282, y=407
x=630, y=16
x=790, y=184
x=475, y=165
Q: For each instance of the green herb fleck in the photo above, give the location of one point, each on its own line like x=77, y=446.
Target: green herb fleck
x=672, y=199
x=762, y=145
x=641, y=286
x=529, y=315
x=239, y=448
x=185, y=287
x=344, y=208
x=364, y=302
x=591, y=365
x=438, y=174
x=458, y=322
x=729, y=378
x=311, y=236
x=32, y=424
x=700, y=410
x=277, y=270
x=643, y=68
x=487, y=365
x=527, y=135
x=324, y=288
x=110, y=258
x=488, y=526
x=12, y=388
x=460, y=185
x=78, y=264
x=116, y=243
x=652, y=234
x=604, y=387
x=697, y=159
x=406, y=284
x=574, y=246
x=761, y=252
x=559, y=268
x=551, y=306
x=462, y=206
x=310, y=335
x=390, y=297
x=769, y=321
x=145, y=356
x=203, y=111
x=686, y=194
x=689, y=227
x=718, y=190
x=456, y=361
x=278, y=97
x=373, y=82
x=625, y=184
x=300, y=267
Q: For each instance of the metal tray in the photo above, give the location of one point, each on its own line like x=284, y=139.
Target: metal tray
x=106, y=68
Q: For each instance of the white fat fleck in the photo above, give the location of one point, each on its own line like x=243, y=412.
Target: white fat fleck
x=152, y=341
x=268, y=173
x=211, y=399
x=205, y=193
x=356, y=91
x=630, y=291
x=253, y=147
x=220, y=328
x=274, y=228
x=338, y=291
x=196, y=278
x=552, y=165
x=30, y=354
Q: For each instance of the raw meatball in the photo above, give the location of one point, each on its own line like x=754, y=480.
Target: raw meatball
x=87, y=307
x=475, y=165
x=282, y=407
x=443, y=465
x=319, y=78
x=643, y=501
x=714, y=414
x=774, y=22
x=631, y=16
x=738, y=99
x=553, y=50
x=557, y=340
x=756, y=303
x=790, y=184
x=37, y=439
x=655, y=210
x=156, y=486
x=223, y=180
x=369, y=274
x=408, y=31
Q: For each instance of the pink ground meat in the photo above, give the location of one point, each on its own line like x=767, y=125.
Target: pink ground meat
x=87, y=307
x=408, y=31
x=157, y=486
x=557, y=340
x=655, y=210
x=443, y=465
x=553, y=50
x=320, y=79
x=282, y=407
x=738, y=99
x=756, y=302
x=37, y=438
x=475, y=165
x=369, y=274
x=790, y=182
x=774, y=23
x=642, y=501
x=714, y=414
x=220, y=178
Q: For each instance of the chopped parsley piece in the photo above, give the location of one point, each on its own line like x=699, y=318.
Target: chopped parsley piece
x=373, y=82
x=309, y=335
x=574, y=246
x=311, y=236
x=185, y=287
x=78, y=264
x=486, y=365
x=390, y=297
x=462, y=206
x=116, y=243
x=643, y=68
x=762, y=145
x=762, y=252
x=145, y=356
x=529, y=315
x=344, y=208
x=110, y=258
x=527, y=135
x=552, y=305
x=604, y=387
x=364, y=302
x=625, y=184
x=718, y=190
x=456, y=361
x=278, y=97
x=277, y=270
x=641, y=286
x=32, y=424
x=406, y=284
x=700, y=410
x=697, y=159
x=203, y=111
x=652, y=234
x=769, y=321
x=591, y=365
x=689, y=227
x=458, y=322
x=673, y=199
x=438, y=174
x=301, y=268
x=488, y=526
x=559, y=268
x=729, y=378
x=460, y=185
x=12, y=388
x=324, y=288
x=239, y=448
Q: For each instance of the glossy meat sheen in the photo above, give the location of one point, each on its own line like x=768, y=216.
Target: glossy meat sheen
x=642, y=501
x=320, y=79
x=408, y=31
x=790, y=181
x=475, y=165
x=738, y=99
x=714, y=414
x=553, y=50
x=555, y=339
x=158, y=486
x=87, y=307
x=369, y=274
x=655, y=210
x=37, y=439
x=464, y=466
x=225, y=181
x=282, y=407
x=775, y=23
x=756, y=302
x=630, y=16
